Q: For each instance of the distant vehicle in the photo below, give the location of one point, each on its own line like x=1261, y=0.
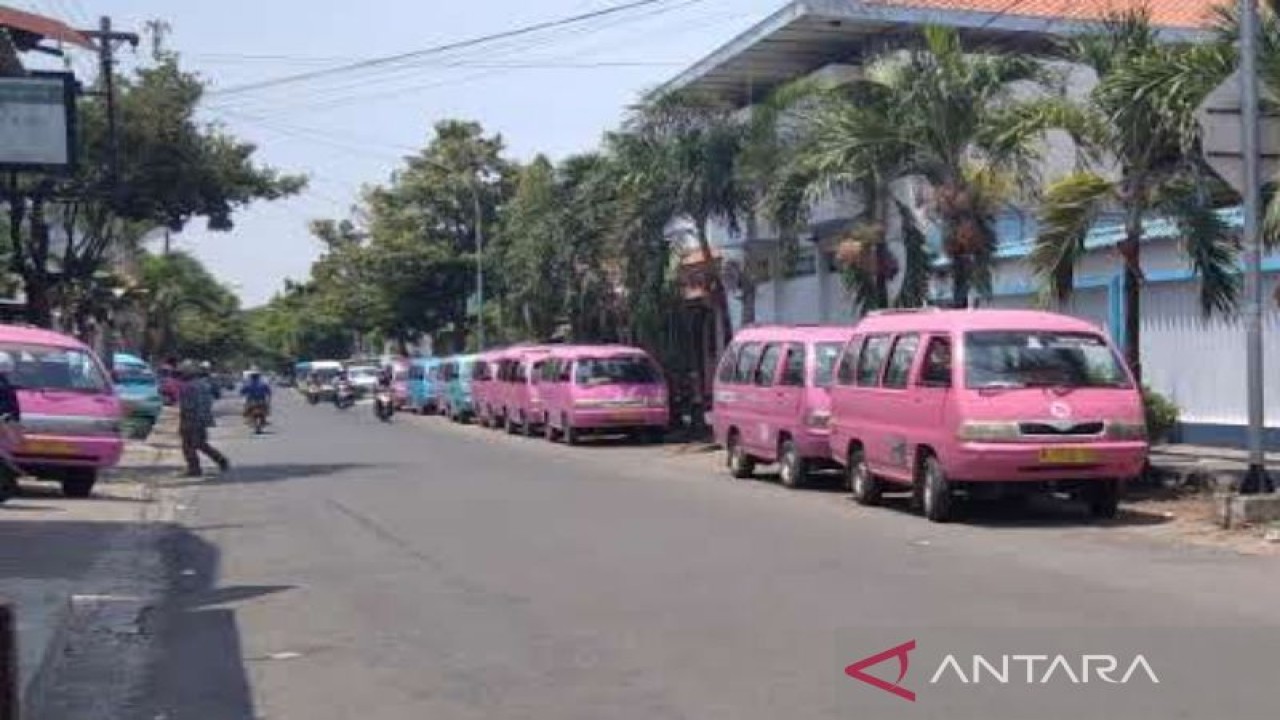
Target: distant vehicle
x=518, y=388
x=985, y=403
x=456, y=377
x=318, y=384
x=71, y=416
x=602, y=389
x=424, y=375
x=364, y=378
x=771, y=399
x=138, y=388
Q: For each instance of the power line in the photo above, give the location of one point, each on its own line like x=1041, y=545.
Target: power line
x=470, y=42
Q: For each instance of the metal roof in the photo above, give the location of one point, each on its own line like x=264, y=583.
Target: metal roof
x=806, y=35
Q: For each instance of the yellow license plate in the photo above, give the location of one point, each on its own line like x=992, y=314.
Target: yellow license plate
x=1068, y=456
x=48, y=447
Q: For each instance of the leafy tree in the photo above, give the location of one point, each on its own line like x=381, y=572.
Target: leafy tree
x=186, y=312
x=534, y=267
x=1139, y=126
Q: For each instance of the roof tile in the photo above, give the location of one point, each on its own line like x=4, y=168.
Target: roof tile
x=1168, y=13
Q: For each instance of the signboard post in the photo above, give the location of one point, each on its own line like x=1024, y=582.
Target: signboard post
x=1240, y=145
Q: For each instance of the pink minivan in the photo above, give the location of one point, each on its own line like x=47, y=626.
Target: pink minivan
x=522, y=397
x=71, y=417
x=482, y=386
x=985, y=403
x=770, y=401
x=602, y=389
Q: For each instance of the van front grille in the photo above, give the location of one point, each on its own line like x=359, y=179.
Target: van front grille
x=1044, y=428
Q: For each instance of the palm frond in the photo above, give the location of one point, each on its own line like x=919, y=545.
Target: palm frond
x=1071, y=205
x=1211, y=247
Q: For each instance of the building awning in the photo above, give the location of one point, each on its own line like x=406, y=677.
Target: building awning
x=806, y=35
x=30, y=28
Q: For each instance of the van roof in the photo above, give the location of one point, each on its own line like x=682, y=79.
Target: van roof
x=39, y=336
x=972, y=319
x=799, y=333
x=574, y=351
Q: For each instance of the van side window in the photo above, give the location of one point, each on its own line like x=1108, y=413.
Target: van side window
x=768, y=365
x=844, y=372
x=937, y=363
x=728, y=363
x=871, y=359
x=521, y=370
x=747, y=358
x=904, y=353
x=793, y=367
x=566, y=371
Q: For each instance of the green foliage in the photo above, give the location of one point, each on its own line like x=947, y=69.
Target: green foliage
x=1161, y=414
x=187, y=313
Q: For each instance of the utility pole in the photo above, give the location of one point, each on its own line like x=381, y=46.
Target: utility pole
x=107, y=40
x=479, y=212
x=1256, y=479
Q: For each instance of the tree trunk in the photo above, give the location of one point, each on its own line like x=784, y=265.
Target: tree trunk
x=880, y=217
x=960, y=282
x=35, y=276
x=748, y=301
x=1131, y=251
x=719, y=298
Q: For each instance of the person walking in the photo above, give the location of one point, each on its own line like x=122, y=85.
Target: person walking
x=195, y=415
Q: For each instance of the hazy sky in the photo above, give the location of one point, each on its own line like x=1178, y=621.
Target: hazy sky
x=352, y=129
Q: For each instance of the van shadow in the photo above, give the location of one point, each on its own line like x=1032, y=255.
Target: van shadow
x=1036, y=511
x=249, y=474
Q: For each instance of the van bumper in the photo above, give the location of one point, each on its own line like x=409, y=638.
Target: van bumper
x=1012, y=462
x=813, y=444
x=39, y=450
x=604, y=418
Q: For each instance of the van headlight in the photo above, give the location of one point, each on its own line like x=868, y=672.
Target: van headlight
x=973, y=431
x=1122, y=430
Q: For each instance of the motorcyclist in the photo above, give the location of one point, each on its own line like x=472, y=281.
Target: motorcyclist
x=342, y=386
x=383, y=388
x=256, y=392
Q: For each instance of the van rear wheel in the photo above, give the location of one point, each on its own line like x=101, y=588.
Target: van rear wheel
x=8, y=484
x=548, y=430
x=568, y=432
x=79, y=482
x=865, y=487
x=740, y=464
x=792, y=469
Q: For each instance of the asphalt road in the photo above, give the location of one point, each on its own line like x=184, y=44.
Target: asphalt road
x=351, y=569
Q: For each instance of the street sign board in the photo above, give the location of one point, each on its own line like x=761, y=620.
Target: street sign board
x=37, y=122
x=1219, y=118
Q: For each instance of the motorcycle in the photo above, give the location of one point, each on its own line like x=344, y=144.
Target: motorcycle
x=344, y=396
x=256, y=413
x=383, y=405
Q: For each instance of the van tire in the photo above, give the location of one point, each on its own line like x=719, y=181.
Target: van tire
x=526, y=427
x=1103, y=497
x=792, y=469
x=568, y=432
x=935, y=492
x=548, y=430
x=740, y=464
x=865, y=487
x=8, y=484
x=79, y=482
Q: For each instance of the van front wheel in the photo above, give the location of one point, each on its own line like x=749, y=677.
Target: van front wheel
x=1103, y=497
x=792, y=469
x=864, y=486
x=79, y=482
x=936, y=492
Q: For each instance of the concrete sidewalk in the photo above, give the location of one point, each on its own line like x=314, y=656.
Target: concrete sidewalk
x=1203, y=466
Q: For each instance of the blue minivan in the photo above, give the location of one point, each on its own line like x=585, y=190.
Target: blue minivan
x=138, y=388
x=424, y=376
x=455, y=387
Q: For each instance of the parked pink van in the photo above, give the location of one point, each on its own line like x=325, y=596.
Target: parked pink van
x=522, y=398
x=602, y=389
x=985, y=402
x=71, y=416
x=770, y=399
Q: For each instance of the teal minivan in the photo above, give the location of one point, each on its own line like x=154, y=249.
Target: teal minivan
x=138, y=388
x=455, y=387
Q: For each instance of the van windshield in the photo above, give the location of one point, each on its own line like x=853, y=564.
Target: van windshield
x=134, y=375
x=611, y=371
x=38, y=367
x=826, y=353
x=1018, y=359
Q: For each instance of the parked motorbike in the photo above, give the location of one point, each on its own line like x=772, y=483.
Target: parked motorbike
x=383, y=405
x=344, y=396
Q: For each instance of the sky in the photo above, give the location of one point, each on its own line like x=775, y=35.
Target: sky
x=553, y=92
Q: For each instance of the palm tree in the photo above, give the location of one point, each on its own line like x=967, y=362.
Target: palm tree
x=1138, y=125
x=933, y=113
x=697, y=143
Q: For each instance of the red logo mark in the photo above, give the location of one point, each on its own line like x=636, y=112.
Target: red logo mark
x=855, y=670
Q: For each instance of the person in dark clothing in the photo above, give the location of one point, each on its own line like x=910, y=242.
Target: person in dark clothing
x=194, y=418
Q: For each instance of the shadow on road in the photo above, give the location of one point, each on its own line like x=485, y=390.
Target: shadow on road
x=198, y=670
x=246, y=474
x=1040, y=511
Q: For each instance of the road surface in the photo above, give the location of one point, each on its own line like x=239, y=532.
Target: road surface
x=351, y=569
